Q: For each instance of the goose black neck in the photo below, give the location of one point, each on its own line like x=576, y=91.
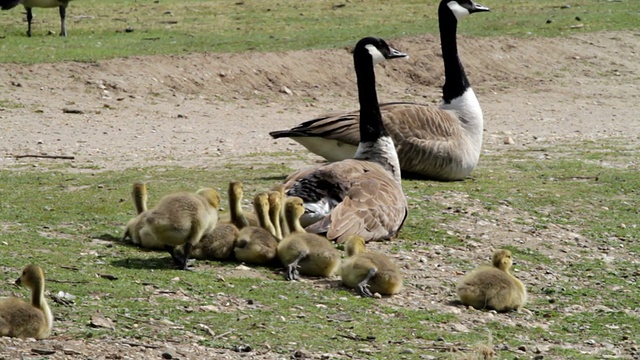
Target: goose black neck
x=456, y=82
x=371, y=126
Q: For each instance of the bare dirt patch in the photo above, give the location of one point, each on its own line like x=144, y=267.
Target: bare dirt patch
x=207, y=109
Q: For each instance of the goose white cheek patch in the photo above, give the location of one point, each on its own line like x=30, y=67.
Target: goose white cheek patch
x=375, y=54
x=458, y=11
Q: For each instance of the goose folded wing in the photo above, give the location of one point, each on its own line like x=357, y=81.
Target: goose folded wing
x=374, y=208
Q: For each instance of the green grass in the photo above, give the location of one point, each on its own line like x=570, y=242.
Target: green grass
x=97, y=29
x=74, y=220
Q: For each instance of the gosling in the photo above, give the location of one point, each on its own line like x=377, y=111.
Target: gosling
x=135, y=229
x=369, y=272
x=493, y=287
x=21, y=319
x=257, y=245
x=237, y=216
x=182, y=219
x=305, y=253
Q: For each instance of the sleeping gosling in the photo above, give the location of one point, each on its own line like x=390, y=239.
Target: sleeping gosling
x=182, y=219
x=493, y=287
x=19, y=318
x=305, y=253
x=369, y=272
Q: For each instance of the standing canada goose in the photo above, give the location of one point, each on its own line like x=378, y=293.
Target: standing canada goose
x=237, y=216
x=437, y=143
x=305, y=253
x=29, y=4
x=21, y=319
x=257, y=244
x=183, y=218
x=362, y=195
x=135, y=229
x=369, y=272
x=493, y=287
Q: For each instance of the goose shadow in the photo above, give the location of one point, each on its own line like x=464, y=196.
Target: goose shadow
x=137, y=263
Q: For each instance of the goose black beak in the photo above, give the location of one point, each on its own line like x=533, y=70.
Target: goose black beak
x=475, y=7
x=396, y=54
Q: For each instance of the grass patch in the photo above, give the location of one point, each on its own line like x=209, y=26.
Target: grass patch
x=69, y=223
x=119, y=28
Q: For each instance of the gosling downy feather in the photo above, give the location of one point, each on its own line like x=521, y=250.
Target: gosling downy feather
x=437, y=143
x=369, y=272
x=135, y=229
x=237, y=216
x=182, y=219
x=21, y=319
x=257, y=245
x=363, y=195
x=493, y=287
x=305, y=253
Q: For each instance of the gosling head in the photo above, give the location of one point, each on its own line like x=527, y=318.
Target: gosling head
x=235, y=190
x=502, y=259
x=32, y=275
x=212, y=196
x=294, y=207
x=354, y=245
x=261, y=201
x=274, y=199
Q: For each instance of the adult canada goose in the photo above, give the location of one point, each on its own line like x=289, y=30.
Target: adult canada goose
x=362, y=195
x=135, y=229
x=369, y=272
x=437, y=143
x=305, y=253
x=257, y=244
x=183, y=218
x=237, y=216
x=493, y=287
x=27, y=320
x=29, y=4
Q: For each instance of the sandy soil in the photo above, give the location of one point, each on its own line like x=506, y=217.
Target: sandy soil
x=205, y=109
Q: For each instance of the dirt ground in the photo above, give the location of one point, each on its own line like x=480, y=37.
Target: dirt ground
x=206, y=109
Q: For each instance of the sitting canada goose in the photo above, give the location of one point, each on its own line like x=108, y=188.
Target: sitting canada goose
x=493, y=287
x=29, y=4
x=438, y=143
x=305, y=253
x=21, y=319
x=135, y=229
x=369, y=272
x=363, y=195
x=237, y=216
x=183, y=218
x=257, y=244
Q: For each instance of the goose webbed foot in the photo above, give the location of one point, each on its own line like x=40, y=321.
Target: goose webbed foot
x=363, y=286
x=181, y=262
x=292, y=269
x=292, y=272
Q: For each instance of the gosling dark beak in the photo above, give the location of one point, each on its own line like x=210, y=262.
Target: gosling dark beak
x=18, y=281
x=396, y=54
x=475, y=7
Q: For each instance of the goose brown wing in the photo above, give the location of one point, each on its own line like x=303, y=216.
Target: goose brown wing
x=401, y=119
x=375, y=208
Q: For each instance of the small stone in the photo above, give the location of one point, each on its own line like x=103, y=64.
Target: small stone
x=522, y=348
x=508, y=141
x=167, y=355
x=407, y=351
